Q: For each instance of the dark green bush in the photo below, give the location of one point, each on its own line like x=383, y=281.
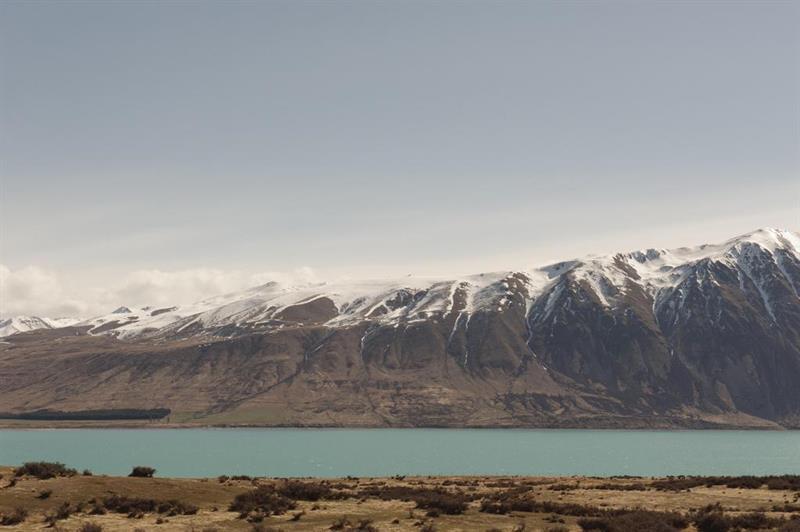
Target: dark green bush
x=142, y=471
x=304, y=491
x=44, y=470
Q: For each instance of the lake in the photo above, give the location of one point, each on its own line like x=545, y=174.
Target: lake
x=385, y=452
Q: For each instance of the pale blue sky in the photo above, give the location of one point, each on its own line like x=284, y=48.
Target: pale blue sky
x=383, y=138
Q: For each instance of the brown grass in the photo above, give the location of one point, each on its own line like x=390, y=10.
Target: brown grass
x=390, y=504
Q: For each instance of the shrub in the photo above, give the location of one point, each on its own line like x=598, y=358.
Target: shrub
x=304, y=491
x=636, y=486
x=142, y=471
x=516, y=500
x=593, y=524
x=14, y=518
x=754, y=521
x=712, y=518
x=62, y=512
x=135, y=506
x=97, y=509
x=91, y=527
x=86, y=473
x=433, y=500
x=441, y=502
x=263, y=500
x=44, y=470
x=712, y=522
x=680, y=483
x=44, y=494
x=634, y=521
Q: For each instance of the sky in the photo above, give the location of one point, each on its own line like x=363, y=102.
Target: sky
x=169, y=151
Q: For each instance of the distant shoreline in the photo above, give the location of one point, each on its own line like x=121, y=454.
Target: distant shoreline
x=127, y=424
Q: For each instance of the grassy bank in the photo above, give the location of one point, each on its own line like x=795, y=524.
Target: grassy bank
x=41, y=496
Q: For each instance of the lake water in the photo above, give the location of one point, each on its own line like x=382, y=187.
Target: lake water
x=383, y=452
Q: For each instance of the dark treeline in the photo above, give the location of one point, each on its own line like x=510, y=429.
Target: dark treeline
x=89, y=415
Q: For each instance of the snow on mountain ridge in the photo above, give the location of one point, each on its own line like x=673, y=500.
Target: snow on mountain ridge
x=657, y=271
x=18, y=324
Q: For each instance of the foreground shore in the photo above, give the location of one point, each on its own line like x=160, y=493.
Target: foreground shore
x=74, y=501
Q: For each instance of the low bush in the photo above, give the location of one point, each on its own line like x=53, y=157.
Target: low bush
x=91, y=527
x=97, y=509
x=17, y=516
x=44, y=470
x=680, y=483
x=261, y=500
x=135, y=506
x=304, y=491
x=635, y=521
x=142, y=471
x=712, y=518
x=441, y=503
x=434, y=500
x=712, y=522
x=60, y=513
x=44, y=494
x=517, y=500
x=636, y=486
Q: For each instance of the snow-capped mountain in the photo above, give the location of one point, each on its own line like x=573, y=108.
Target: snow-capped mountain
x=660, y=274
x=702, y=336
x=19, y=324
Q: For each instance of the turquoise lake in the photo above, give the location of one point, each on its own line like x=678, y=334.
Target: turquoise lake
x=383, y=452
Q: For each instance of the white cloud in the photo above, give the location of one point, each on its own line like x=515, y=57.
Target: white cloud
x=158, y=287
x=37, y=291
x=34, y=290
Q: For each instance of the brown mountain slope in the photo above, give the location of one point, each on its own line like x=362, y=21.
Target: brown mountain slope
x=702, y=337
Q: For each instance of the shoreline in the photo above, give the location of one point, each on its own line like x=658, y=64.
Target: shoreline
x=132, y=424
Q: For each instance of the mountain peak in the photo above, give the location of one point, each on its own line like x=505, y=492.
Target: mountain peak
x=769, y=238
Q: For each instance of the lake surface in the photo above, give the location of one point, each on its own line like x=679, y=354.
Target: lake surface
x=384, y=452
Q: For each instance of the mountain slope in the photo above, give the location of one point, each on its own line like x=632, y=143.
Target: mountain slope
x=706, y=336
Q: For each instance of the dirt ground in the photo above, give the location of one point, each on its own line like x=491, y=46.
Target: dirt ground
x=352, y=508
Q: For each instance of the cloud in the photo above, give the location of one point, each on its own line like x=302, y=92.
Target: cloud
x=34, y=290
x=158, y=287
x=38, y=291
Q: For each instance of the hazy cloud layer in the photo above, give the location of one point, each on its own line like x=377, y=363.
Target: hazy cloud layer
x=41, y=292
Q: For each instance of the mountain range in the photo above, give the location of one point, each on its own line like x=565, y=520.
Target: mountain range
x=706, y=336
